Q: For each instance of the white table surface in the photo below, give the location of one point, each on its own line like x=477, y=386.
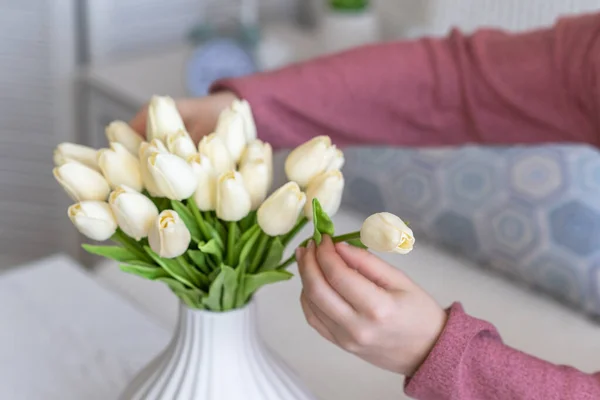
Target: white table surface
x=66, y=335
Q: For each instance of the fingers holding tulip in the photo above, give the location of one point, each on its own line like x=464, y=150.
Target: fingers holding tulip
x=316, y=322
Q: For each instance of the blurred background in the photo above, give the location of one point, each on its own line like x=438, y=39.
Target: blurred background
x=69, y=67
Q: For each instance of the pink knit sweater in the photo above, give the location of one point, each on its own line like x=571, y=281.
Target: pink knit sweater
x=490, y=87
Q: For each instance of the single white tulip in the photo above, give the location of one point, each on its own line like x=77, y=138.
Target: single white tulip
x=120, y=167
x=230, y=127
x=121, y=132
x=163, y=118
x=233, y=200
x=81, y=182
x=168, y=235
x=85, y=155
x=181, y=144
x=213, y=146
x=337, y=161
x=173, y=176
x=259, y=151
x=327, y=187
x=278, y=214
x=93, y=219
x=387, y=232
x=309, y=160
x=206, y=193
x=145, y=150
x=135, y=213
x=257, y=180
x=243, y=107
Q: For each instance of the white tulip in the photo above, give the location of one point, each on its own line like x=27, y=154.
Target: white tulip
x=168, y=235
x=233, y=200
x=181, y=144
x=93, y=219
x=327, y=187
x=163, y=118
x=387, y=232
x=309, y=160
x=243, y=107
x=257, y=178
x=135, y=213
x=213, y=146
x=279, y=213
x=81, y=182
x=145, y=150
x=66, y=152
x=230, y=127
x=259, y=151
x=120, y=167
x=173, y=176
x=206, y=193
x=338, y=161
x=121, y=132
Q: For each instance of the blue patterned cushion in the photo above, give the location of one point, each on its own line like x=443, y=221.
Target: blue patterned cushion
x=532, y=213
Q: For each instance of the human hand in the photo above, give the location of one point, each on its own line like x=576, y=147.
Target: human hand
x=199, y=115
x=367, y=307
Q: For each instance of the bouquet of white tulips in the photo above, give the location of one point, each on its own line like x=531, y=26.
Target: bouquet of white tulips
x=200, y=219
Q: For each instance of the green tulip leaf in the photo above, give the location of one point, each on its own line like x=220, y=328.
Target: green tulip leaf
x=356, y=243
x=144, y=270
x=215, y=293
x=199, y=259
x=211, y=247
x=188, y=219
x=248, y=221
x=274, y=256
x=253, y=282
x=322, y=222
x=230, y=284
x=246, y=245
x=116, y=253
x=192, y=297
x=173, y=267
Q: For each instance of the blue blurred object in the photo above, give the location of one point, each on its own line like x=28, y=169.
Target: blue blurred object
x=215, y=59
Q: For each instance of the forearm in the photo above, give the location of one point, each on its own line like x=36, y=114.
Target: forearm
x=490, y=87
x=470, y=362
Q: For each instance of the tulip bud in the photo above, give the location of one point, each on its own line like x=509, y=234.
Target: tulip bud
x=387, y=232
x=243, y=108
x=337, y=162
x=309, y=160
x=173, y=176
x=257, y=150
x=230, y=127
x=168, y=235
x=233, y=200
x=93, y=219
x=213, y=147
x=279, y=213
x=120, y=167
x=121, y=132
x=163, y=118
x=135, y=213
x=66, y=152
x=206, y=193
x=327, y=187
x=256, y=177
x=81, y=182
x=145, y=150
x=181, y=144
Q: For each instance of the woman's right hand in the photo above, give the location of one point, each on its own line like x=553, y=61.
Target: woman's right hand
x=199, y=115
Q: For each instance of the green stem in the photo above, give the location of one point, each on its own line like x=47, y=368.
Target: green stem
x=291, y=234
x=287, y=262
x=258, y=256
x=345, y=237
x=196, y=212
x=131, y=245
x=232, y=226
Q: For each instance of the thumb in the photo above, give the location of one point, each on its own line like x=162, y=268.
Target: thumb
x=374, y=268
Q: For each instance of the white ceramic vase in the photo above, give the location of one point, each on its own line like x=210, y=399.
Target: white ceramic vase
x=216, y=356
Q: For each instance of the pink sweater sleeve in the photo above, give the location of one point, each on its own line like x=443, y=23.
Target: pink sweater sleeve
x=470, y=362
x=490, y=87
